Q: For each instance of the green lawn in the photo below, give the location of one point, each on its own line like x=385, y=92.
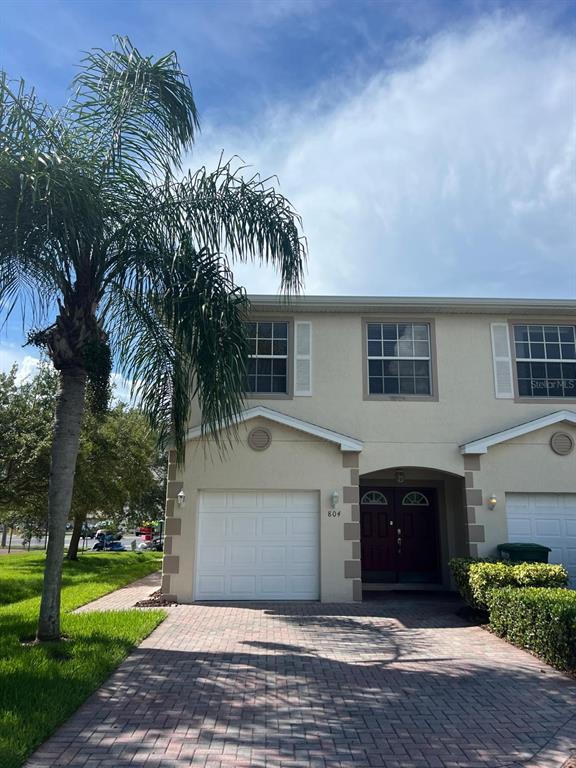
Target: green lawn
x=41, y=686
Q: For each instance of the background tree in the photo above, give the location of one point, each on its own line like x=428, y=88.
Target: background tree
x=111, y=252
x=117, y=476
x=26, y=419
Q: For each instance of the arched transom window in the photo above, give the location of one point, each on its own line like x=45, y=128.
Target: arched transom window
x=415, y=499
x=373, y=497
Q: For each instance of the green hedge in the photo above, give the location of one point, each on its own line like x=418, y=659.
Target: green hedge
x=484, y=577
x=460, y=568
x=538, y=619
x=475, y=577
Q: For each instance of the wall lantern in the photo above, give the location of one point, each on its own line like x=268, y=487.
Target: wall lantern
x=492, y=501
x=181, y=498
x=400, y=477
x=334, y=498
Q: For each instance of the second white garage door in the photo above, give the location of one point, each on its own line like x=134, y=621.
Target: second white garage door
x=545, y=518
x=258, y=546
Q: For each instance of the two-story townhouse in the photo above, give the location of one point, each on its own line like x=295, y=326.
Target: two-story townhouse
x=381, y=437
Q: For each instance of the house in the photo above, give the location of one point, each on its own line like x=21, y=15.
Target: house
x=381, y=437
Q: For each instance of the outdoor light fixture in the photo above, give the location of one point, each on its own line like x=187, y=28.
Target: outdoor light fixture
x=492, y=501
x=335, y=498
x=181, y=498
x=400, y=476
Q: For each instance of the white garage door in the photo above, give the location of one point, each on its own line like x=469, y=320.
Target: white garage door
x=545, y=518
x=258, y=546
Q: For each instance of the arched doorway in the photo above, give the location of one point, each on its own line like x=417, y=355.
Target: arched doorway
x=411, y=521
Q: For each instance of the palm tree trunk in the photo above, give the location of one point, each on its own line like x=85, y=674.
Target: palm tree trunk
x=65, y=445
x=72, y=553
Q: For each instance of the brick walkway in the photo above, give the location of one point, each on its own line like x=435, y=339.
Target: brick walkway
x=401, y=683
x=125, y=597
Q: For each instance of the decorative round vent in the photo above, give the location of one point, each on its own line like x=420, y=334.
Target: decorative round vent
x=259, y=439
x=562, y=443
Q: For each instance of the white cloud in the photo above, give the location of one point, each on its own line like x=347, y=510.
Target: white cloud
x=454, y=174
x=10, y=355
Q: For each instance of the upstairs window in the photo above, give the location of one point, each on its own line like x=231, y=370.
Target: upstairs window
x=267, y=358
x=545, y=360
x=399, y=359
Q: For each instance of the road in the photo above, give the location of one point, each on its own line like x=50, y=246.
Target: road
x=126, y=540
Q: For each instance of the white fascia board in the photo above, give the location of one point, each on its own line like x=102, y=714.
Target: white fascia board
x=482, y=444
x=345, y=442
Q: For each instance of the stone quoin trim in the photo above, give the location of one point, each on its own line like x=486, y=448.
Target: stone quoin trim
x=474, y=498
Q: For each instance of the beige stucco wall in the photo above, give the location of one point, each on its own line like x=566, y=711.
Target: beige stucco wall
x=419, y=436
x=526, y=465
x=294, y=461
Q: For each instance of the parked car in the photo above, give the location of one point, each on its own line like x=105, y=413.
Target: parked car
x=155, y=545
x=109, y=542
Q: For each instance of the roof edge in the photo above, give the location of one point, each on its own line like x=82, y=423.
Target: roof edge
x=312, y=303
x=482, y=444
x=345, y=442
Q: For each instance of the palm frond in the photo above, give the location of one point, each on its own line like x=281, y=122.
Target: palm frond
x=245, y=217
x=185, y=341
x=141, y=111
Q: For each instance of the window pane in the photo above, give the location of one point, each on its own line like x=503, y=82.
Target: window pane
x=280, y=347
x=251, y=346
x=524, y=388
x=251, y=330
x=552, y=351
x=523, y=370
x=536, y=333
x=568, y=351
x=374, y=331
x=521, y=333
x=279, y=367
x=264, y=366
x=390, y=349
x=407, y=386
x=391, y=368
x=404, y=331
x=551, y=333
x=375, y=386
x=566, y=332
x=375, y=348
x=522, y=349
x=251, y=383
x=421, y=332
x=405, y=348
x=391, y=386
x=280, y=330
x=264, y=346
x=375, y=367
x=406, y=368
x=422, y=386
x=279, y=383
x=422, y=368
x=251, y=366
x=421, y=349
x=389, y=332
x=265, y=330
x=536, y=351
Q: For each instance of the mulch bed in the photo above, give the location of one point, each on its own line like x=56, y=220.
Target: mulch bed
x=155, y=600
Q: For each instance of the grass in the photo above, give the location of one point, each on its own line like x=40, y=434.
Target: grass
x=42, y=685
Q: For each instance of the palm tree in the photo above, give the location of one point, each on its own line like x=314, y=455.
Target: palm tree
x=113, y=253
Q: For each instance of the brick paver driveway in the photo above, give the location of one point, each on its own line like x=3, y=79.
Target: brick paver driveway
x=401, y=683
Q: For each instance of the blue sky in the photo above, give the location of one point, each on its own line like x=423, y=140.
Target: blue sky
x=428, y=144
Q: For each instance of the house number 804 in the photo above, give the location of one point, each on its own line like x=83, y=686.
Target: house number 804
x=334, y=513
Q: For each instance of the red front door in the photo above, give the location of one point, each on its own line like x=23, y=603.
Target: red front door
x=399, y=535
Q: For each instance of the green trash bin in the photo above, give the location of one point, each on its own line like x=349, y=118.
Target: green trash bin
x=524, y=553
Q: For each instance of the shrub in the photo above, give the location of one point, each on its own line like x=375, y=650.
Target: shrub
x=484, y=577
x=460, y=567
x=538, y=619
